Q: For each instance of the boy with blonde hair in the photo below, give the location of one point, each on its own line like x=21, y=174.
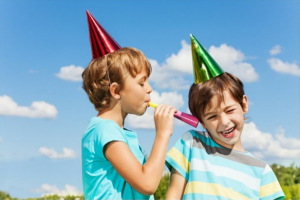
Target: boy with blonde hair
x=113, y=163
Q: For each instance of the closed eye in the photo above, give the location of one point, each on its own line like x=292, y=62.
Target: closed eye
x=230, y=111
x=211, y=117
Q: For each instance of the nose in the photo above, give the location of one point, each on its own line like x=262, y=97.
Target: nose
x=149, y=89
x=224, y=120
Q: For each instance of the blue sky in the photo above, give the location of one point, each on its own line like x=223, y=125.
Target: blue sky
x=45, y=45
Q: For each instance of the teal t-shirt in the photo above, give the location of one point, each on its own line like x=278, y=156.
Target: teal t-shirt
x=100, y=179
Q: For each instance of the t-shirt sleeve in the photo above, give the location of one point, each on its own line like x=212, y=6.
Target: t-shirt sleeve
x=106, y=133
x=270, y=187
x=179, y=155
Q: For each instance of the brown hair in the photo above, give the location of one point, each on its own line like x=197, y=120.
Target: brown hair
x=201, y=94
x=120, y=63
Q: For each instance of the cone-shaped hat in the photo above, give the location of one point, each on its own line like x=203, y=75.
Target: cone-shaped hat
x=204, y=66
x=101, y=42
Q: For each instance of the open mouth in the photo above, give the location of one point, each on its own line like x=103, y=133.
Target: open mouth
x=228, y=132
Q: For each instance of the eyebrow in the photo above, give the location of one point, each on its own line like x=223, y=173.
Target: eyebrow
x=144, y=77
x=215, y=111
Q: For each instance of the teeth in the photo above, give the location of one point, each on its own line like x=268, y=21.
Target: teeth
x=228, y=131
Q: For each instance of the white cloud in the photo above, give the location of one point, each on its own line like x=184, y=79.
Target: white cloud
x=0, y=139
x=47, y=189
x=182, y=61
x=290, y=143
x=265, y=146
x=51, y=153
x=170, y=74
x=233, y=61
x=146, y=121
x=38, y=109
x=286, y=68
x=275, y=50
x=70, y=73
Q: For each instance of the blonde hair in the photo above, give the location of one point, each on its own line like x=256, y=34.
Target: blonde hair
x=98, y=76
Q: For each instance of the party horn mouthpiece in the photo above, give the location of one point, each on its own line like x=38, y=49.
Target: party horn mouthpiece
x=187, y=118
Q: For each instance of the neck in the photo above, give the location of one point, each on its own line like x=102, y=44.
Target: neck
x=237, y=146
x=114, y=113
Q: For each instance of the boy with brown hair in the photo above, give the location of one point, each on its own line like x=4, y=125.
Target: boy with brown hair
x=214, y=164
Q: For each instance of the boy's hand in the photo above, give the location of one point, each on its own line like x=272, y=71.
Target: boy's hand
x=164, y=120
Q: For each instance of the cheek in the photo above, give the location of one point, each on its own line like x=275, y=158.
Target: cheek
x=211, y=126
x=134, y=91
x=237, y=116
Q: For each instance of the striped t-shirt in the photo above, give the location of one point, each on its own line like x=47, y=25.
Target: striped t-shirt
x=216, y=172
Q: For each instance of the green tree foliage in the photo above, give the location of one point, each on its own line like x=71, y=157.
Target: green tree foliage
x=163, y=187
x=4, y=196
x=291, y=192
x=288, y=178
x=56, y=197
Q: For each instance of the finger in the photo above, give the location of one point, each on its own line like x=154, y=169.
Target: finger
x=164, y=111
x=159, y=109
x=172, y=111
x=168, y=113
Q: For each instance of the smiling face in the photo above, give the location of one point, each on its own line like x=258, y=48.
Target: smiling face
x=225, y=122
x=135, y=94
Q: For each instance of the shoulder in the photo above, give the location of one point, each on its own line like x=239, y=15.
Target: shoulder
x=252, y=160
x=267, y=169
x=108, y=130
x=102, y=129
x=191, y=134
x=99, y=124
x=196, y=136
x=193, y=138
x=105, y=124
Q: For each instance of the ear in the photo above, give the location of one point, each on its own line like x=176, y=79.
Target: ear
x=245, y=104
x=115, y=91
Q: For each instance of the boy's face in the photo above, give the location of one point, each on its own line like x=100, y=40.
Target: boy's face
x=135, y=94
x=225, y=122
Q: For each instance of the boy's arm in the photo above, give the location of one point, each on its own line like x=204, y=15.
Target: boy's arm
x=144, y=178
x=177, y=185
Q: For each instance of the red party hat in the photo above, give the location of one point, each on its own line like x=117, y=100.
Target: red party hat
x=101, y=42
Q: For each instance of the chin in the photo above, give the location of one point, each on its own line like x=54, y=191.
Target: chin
x=140, y=113
x=233, y=142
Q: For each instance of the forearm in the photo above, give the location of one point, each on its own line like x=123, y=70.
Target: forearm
x=172, y=196
x=177, y=185
x=174, y=193
x=153, y=168
x=143, y=178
